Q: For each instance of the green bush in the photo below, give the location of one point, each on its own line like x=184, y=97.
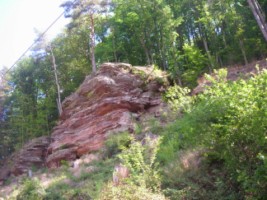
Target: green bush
x=60, y=191
x=140, y=159
x=229, y=120
x=97, y=179
x=115, y=143
x=234, y=120
x=178, y=98
x=144, y=179
x=172, y=141
x=31, y=190
x=194, y=63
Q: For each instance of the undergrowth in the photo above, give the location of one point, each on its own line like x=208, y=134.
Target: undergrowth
x=229, y=123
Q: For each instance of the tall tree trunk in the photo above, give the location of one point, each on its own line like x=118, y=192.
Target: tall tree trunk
x=142, y=41
x=178, y=74
x=259, y=16
x=59, y=105
x=208, y=53
x=92, y=42
x=163, y=51
x=114, y=47
x=241, y=44
x=203, y=35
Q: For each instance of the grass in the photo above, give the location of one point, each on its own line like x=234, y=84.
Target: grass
x=64, y=184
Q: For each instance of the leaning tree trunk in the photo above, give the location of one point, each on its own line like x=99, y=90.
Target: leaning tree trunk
x=59, y=105
x=92, y=42
x=259, y=16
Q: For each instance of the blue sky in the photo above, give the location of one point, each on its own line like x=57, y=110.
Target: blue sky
x=19, y=18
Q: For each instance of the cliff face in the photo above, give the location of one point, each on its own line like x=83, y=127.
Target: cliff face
x=105, y=103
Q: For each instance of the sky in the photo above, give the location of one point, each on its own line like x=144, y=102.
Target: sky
x=19, y=18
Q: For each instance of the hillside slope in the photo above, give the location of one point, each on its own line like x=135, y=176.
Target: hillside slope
x=209, y=146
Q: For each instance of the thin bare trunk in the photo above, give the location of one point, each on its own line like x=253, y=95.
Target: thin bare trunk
x=205, y=43
x=208, y=53
x=114, y=48
x=142, y=41
x=178, y=75
x=92, y=42
x=59, y=105
x=224, y=40
x=220, y=61
x=241, y=44
x=163, y=52
x=259, y=16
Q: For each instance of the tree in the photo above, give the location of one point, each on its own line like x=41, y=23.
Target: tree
x=86, y=10
x=5, y=139
x=42, y=48
x=259, y=16
x=54, y=65
x=3, y=90
x=146, y=30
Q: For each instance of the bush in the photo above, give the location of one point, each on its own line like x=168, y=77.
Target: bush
x=115, y=143
x=60, y=191
x=234, y=120
x=178, y=98
x=141, y=161
x=194, y=63
x=144, y=179
x=229, y=120
x=31, y=190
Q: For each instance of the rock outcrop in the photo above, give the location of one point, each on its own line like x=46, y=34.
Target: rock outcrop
x=33, y=154
x=106, y=102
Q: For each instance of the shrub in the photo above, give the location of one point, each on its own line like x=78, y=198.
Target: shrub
x=144, y=179
x=194, y=63
x=141, y=161
x=60, y=191
x=178, y=98
x=235, y=124
x=31, y=190
x=229, y=120
x=115, y=143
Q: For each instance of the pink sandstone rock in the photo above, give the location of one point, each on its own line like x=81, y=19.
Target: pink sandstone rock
x=33, y=154
x=104, y=104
